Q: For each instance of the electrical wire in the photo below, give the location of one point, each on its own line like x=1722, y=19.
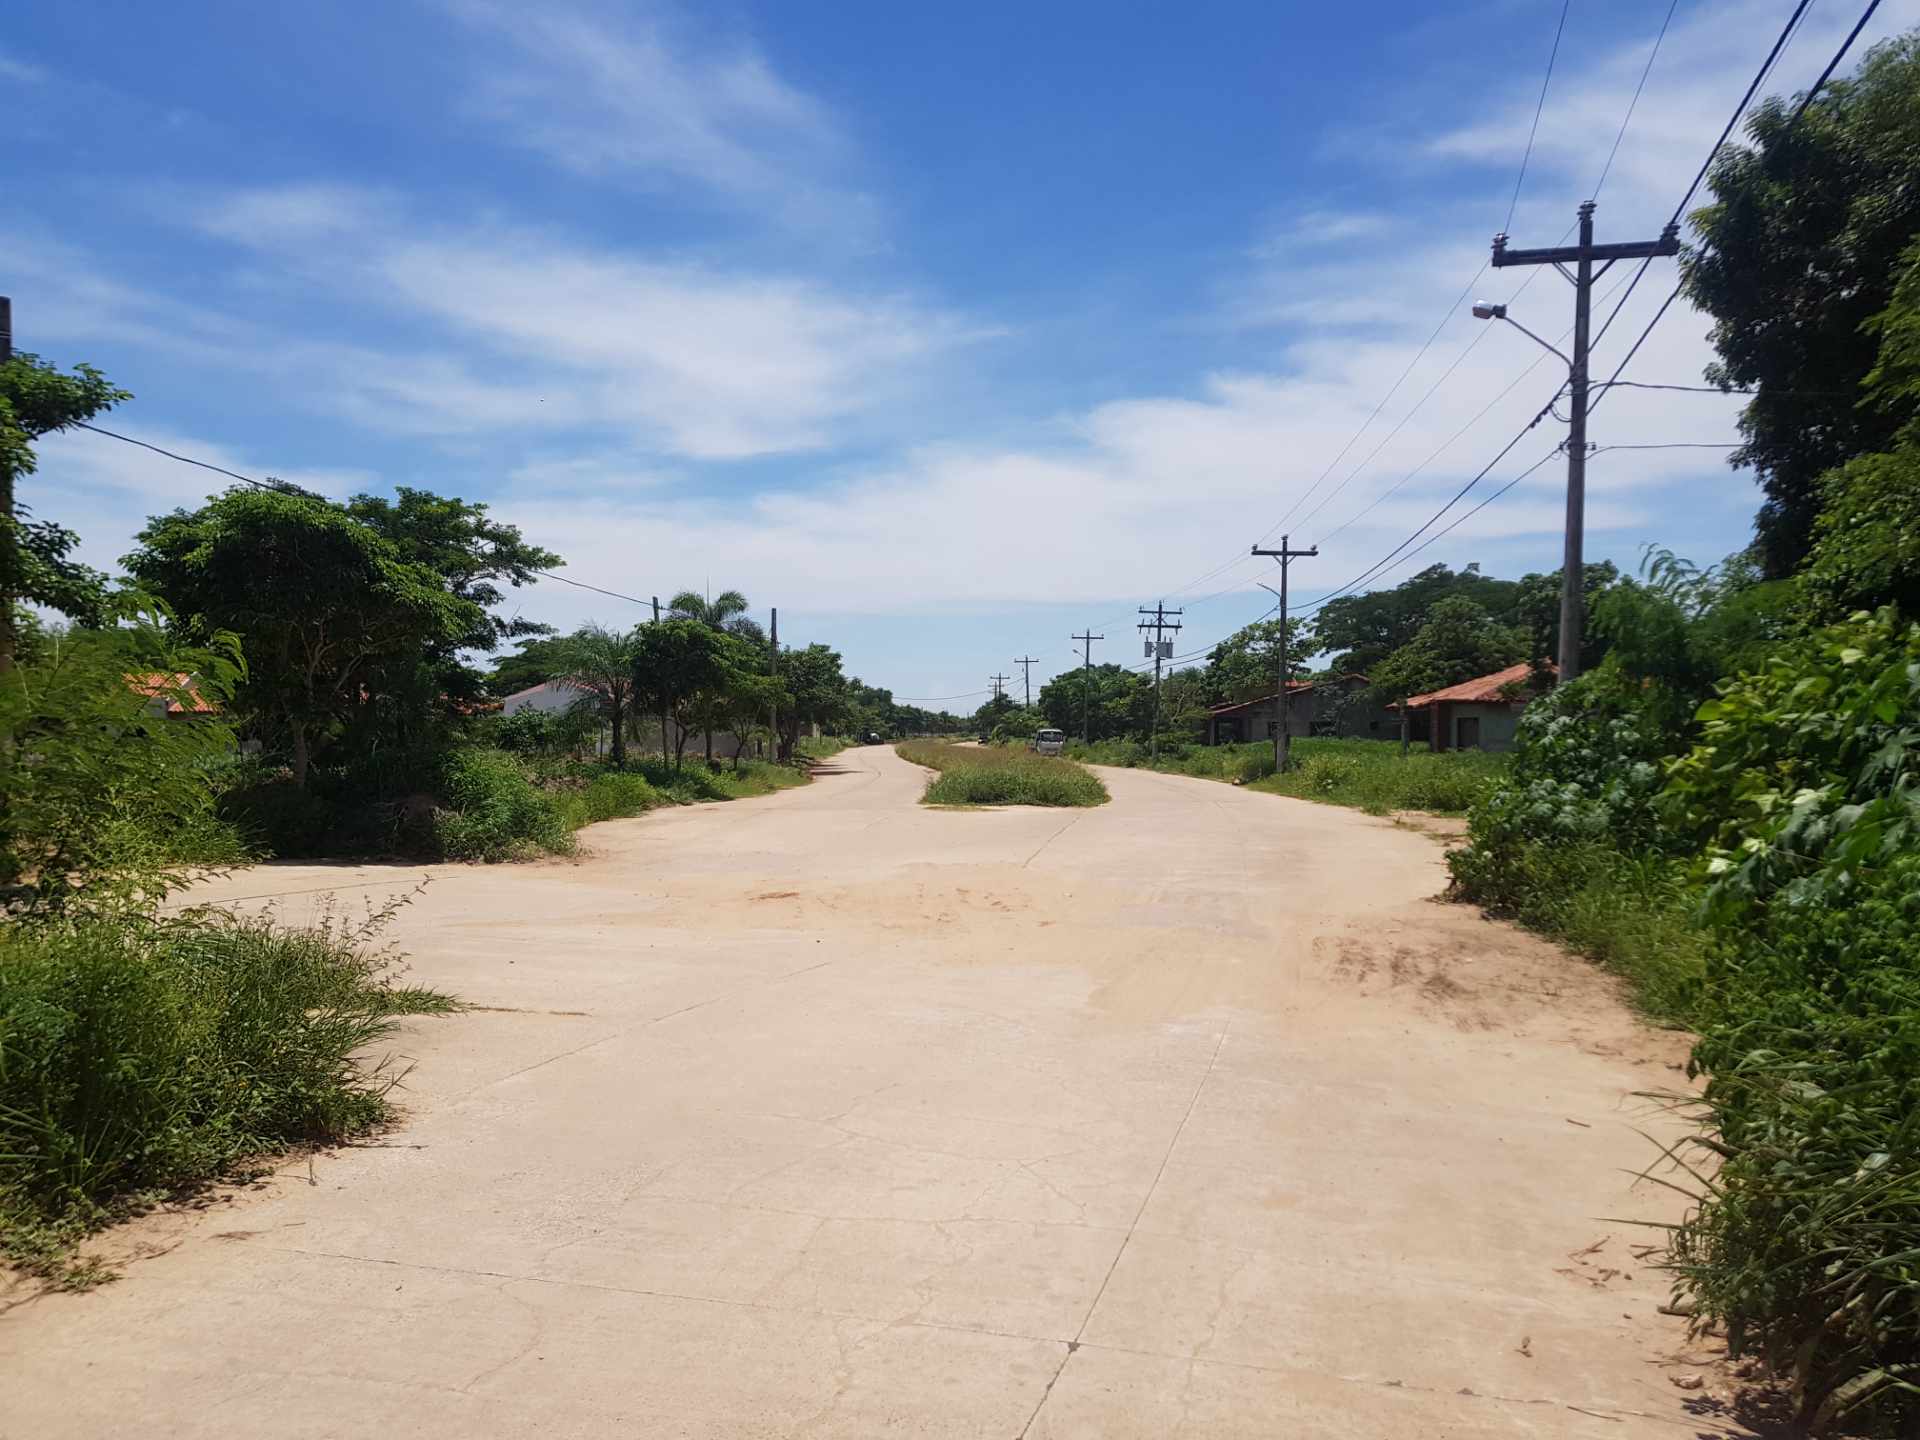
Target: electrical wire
x=1539, y=106
x=1627, y=119
x=289, y=490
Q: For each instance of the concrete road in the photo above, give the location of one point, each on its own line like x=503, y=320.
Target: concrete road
x=831, y=1115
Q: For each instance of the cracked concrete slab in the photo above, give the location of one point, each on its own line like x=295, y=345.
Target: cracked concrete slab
x=826, y=1114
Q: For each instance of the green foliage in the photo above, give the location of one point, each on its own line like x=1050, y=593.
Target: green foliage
x=814, y=692
x=1360, y=631
x=116, y=805
x=37, y=399
x=144, y=1056
x=601, y=662
x=1866, y=547
x=494, y=811
x=324, y=605
x=1457, y=641
x=1800, y=251
x=1001, y=775
x=1247, y=663
x=1116, y=701
x=1373, y=775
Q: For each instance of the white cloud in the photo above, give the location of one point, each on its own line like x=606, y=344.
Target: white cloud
x=644, y=100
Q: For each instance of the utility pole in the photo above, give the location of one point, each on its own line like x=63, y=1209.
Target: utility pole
x=1282, y=741
x=773, y=669
x=1582, y=277
x=999, y=684
x=663, y=708
x=9, y=550
x=1086, y=688
x=1160, y=649
x=1026, y=663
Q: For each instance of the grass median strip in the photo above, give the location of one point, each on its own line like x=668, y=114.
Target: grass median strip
x=998, y=775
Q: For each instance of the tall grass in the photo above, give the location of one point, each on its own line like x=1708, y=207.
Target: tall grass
x=998, y=775
x=139, y=1056
x=1369, y=775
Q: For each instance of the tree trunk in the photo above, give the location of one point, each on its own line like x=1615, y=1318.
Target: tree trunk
x=619, y=731
x=298, y=729
x=709, y=749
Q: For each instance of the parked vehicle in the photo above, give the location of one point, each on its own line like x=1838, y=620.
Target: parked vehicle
x=1048, y=742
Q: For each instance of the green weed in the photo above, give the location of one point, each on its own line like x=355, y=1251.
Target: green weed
x=998, y=775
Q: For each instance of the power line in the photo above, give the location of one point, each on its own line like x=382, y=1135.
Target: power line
x=1627, y=119
x=1539, y=106
x=298, y=494
x=1793, y=119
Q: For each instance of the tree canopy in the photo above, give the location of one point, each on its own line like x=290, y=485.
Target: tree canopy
x=1800, y=251
x=37, y=399
x=321, y=602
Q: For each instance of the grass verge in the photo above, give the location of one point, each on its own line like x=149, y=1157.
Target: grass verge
x=142, y=1057
x=1370, y=775
x=996, y=775
x=500, y=808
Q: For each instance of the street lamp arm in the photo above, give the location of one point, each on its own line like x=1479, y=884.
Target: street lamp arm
x=1537, y=340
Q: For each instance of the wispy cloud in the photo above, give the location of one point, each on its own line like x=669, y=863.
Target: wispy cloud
x=686, y=359
x=644, y=100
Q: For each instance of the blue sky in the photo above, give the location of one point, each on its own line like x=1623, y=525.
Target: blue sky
x=948, y=330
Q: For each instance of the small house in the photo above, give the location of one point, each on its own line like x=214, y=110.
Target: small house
x=172, y=694
x=1332, y=705
x=1478, y=714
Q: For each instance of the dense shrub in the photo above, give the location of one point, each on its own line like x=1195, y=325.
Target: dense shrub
x=142, y=1055
x=998, y=775
x=493, y=811
x=1804, y=790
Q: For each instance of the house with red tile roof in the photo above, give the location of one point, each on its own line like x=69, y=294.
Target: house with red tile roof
x=1478, y=714
x=1326, y=706
x=171, y=693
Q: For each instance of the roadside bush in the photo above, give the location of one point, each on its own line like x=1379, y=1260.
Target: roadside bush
x=1804, y=790
x=1373, y=775
x=988, y=775
x=493, y=810
x=138, y=1056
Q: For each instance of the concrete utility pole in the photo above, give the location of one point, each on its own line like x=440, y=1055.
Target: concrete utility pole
x=1582, y=277
x=1026, y=663
x=1086, y=688
x=1282, y=742
x=1160, y=649
x=773, y=669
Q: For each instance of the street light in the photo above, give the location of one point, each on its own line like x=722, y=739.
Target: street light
x=1488, y=310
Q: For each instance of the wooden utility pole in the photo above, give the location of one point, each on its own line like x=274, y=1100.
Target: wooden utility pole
x=1573, y=598
x=1026, y=663
x=1086, y=688
x=999, y=684
x=663, y=708
x=1282, y=742
x=1160, y=649
x=9, y=549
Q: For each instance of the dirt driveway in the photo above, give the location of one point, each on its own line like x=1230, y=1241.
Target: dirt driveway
x=827, y=1114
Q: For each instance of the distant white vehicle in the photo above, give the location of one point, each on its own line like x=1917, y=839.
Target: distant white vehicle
x=1048, y=742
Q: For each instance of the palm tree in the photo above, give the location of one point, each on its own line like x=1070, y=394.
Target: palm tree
x=600, y=661
x=726, y=611
x=717, y=613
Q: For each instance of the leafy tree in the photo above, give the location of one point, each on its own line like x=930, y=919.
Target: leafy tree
x=1359, y=631
x=35, y=400
x=677, y=665
x=534, y=661
x=1459, y=641
x=717, y=613
x=322, y=604
x=117, y=806
x=1866, y=542
x=1117, y=701
x=473, y=554
x=815, y=692
x=601, y=662
x=1535, y=608
x=1800, y=250
x=1247, y=662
